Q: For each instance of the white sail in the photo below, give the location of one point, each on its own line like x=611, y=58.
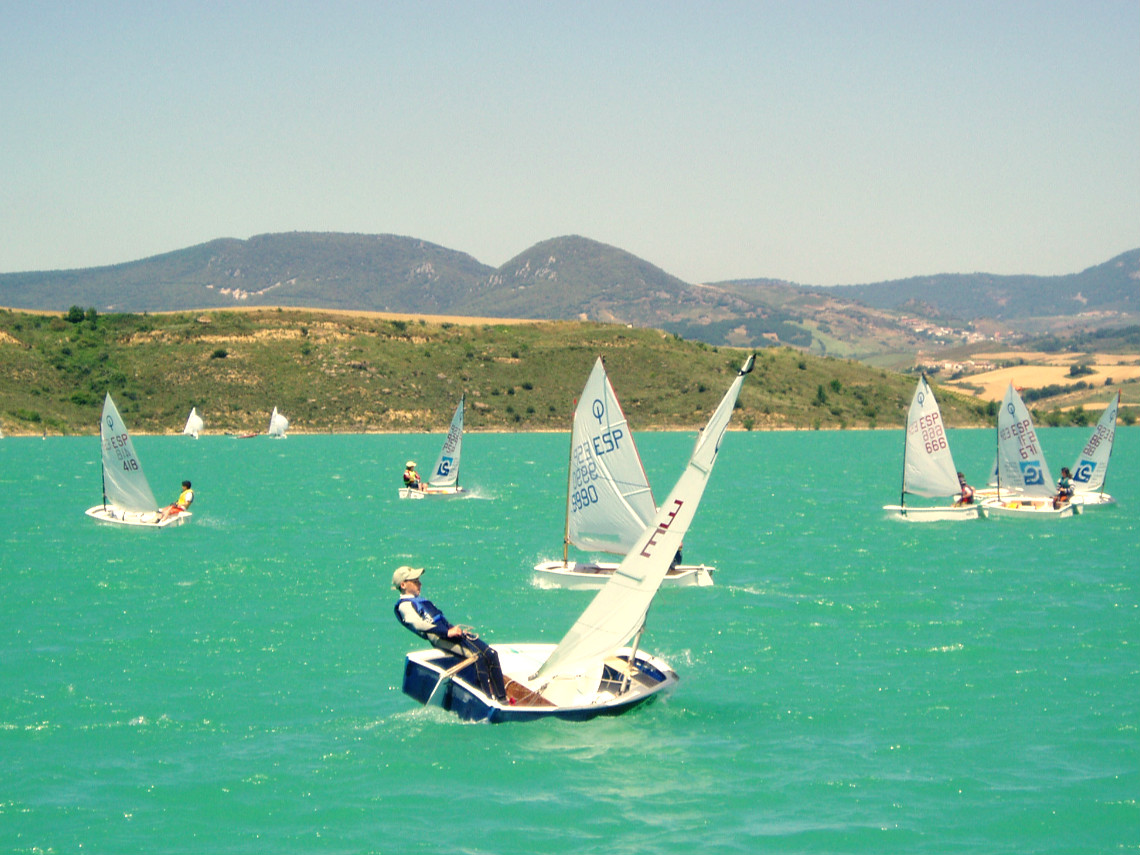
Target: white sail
x=618, y=610
x=194, y=424
x=278, y=424
x=928, y=466
x=1092, y=463
x=608, y=499
x=124, y=484
x=446, y=472
x=1020, y=460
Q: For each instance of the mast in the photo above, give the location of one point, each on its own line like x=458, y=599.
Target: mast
x=569, y=481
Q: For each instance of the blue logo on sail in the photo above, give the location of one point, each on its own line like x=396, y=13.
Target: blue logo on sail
x=1083, y=473
x=444, y=468
x=1031, y=473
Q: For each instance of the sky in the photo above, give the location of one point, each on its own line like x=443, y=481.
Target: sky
x=821, y=142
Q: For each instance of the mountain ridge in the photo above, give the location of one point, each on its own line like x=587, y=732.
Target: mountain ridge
x=577, y=278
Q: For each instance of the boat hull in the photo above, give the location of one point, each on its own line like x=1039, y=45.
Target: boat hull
x=426, y=679
x=409, y=493
x=945, y=513
x=1092, y=500
x=590, y=576
x=147, y=519
x=1030, y=509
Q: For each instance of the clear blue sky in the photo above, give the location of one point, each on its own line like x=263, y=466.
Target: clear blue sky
x=815, y=141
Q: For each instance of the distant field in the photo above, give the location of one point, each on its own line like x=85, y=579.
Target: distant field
x=1046, y=369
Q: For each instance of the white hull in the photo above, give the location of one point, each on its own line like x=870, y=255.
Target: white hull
x=619, y=689
x=580, y=576
x=1030, y=508
x=409, y=493
x=149, y=519
x=1092, y=500
x=919, y=513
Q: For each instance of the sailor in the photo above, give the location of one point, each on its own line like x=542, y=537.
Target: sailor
x=411, y=476
x=1064, y=488
x=966, y=497
x=181, y=504
x=423, y=618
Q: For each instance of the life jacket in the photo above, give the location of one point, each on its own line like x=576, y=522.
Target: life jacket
x=185, y=498
x=411, y=477
x=427, y=610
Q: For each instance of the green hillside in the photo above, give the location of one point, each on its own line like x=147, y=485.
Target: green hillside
x=360, y=373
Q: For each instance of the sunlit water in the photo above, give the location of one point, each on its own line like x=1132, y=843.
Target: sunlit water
x=850, y=684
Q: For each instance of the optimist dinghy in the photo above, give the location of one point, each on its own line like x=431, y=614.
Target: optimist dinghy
x=608, y=499
x=1024, y=485
x=127, y=498
x=928, y=465
x=594, y=670
x=444, y=479
x=278, y=424
x=194, y=424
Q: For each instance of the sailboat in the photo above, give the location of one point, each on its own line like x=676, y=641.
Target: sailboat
x=608, y=499
x=928, y=466
x=194, y=424
x=278, y=424
x=595, y=669
x=1024, y=486
x=1092, y=463
x=444, y=478
x=127, y=498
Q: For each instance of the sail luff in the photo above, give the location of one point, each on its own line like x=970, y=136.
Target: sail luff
x=618, y=610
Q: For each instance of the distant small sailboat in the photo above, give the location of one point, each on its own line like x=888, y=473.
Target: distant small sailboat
x=1024, y=486
x=1092, y=463
x=278, y=424
x=928, y=465
x=444, y=478
x=194, y=424
x=127, y=498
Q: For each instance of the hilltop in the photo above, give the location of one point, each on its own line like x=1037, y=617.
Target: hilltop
x=355, y=372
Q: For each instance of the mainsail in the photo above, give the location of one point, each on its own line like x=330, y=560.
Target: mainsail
x=1092, y=463
x=1020, y=461
x=194, y=424
x=608, y=500
x=618, y=610
x=278, y=424
x=446, y=472
x=928, y=466
x=124, y=484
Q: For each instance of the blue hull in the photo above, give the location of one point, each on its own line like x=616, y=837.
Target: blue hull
x=460, y=694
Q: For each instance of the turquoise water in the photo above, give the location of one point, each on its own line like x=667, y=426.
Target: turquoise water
x=850, y=684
